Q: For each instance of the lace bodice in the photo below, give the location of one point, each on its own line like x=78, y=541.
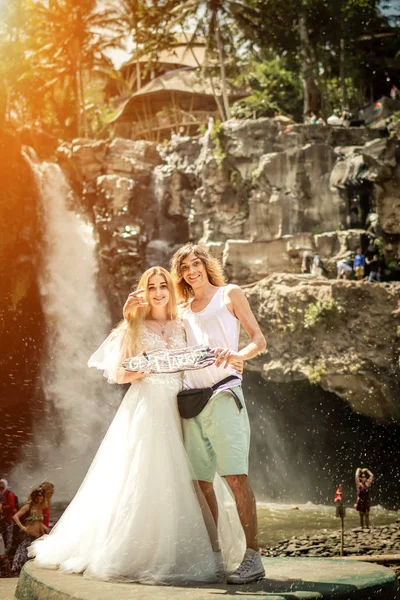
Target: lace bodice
x=150, y=341
x=109, y=356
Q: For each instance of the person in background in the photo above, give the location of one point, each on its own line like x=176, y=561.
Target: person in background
x=364, y=479
x=334, y=119
x=317, y=266
x=5, y=570
x=346, y=118
x=343, y=269
x=359, y=264
x=313, y=118
x=49, y=491
x=33, y=526
x=374, y=268
x=9, y=507
x=306, y=263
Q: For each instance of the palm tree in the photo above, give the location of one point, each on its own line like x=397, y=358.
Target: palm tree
x=69, y=38
x=220, y=22
x=11, y=50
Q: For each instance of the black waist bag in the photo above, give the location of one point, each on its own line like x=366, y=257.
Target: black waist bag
x=192, y=402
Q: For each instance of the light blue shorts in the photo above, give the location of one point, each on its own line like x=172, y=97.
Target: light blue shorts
x=218, y=439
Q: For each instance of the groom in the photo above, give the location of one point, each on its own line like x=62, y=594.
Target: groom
x=218, y=439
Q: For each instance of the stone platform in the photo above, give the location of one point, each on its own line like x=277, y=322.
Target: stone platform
x=286, y=579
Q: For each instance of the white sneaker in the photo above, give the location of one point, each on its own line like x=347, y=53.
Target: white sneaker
x=220, y=575
x=250, y=569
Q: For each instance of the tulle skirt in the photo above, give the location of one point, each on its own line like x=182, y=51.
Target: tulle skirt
x=138, y=515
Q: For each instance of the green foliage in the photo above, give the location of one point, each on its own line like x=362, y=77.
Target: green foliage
x=379, y=244
x=394, y=127
x=216, y=138
x=319, y=311
x=332, y=94
x=328, y=27
x=55, y=48
x=51, y=51
x=316, y=372
x=273, y=88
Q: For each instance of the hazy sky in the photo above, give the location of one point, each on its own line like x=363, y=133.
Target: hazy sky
x=392, y=6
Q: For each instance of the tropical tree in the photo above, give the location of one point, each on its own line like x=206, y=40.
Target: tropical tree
x=273, y=87
x=12, y=56
x=225, y=24
x=321, y=35
x=62, y=41
x=143, y=26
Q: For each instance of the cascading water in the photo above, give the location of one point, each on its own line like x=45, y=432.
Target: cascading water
x=78, y=404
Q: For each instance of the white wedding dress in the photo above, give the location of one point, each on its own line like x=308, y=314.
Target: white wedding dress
x=137, y=515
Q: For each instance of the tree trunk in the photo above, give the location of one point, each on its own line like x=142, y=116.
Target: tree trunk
x=204, y=69
x=3, y=103
x=138, y=70
x=138, y=76
x=82, y=99
x=312, y=96
x=342, y=74
x=227, y=108
x=78, y=103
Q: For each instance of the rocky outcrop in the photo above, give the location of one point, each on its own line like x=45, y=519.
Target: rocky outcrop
x=341, y=335
x=250, y=185
x=266, y=193
x=259, y=196
x=115, y=182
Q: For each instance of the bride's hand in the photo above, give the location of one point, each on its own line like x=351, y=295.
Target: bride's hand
x=137, y=376
x=134, y=300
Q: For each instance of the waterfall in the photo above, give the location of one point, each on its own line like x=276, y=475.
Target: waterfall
x=78, y=403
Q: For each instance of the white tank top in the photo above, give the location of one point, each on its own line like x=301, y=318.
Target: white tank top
x=213, y=326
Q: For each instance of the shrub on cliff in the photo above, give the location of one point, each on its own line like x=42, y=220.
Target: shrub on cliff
x=273, y=88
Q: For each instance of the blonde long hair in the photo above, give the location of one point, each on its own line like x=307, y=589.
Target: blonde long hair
x=212, y=265
x=132, y=327
x=46, y=486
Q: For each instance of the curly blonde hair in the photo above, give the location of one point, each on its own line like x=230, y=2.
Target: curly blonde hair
x=132, y=326
x=47, y=486
x=213, y=267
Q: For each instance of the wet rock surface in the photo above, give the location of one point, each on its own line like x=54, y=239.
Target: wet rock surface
x=384, y=539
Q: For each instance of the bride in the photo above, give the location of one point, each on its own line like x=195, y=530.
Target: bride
x=152, y=525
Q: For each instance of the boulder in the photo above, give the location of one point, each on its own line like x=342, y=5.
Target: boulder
x=130, y=158
x=341, y=335
x=327, y=244
x=245, y=262
x=87, y=158
x=388, y=206
x=114, y=192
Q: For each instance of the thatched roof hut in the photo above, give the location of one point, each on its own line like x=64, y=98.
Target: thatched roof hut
x=176, y=102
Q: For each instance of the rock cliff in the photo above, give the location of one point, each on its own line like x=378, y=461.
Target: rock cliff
x=259, y=196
